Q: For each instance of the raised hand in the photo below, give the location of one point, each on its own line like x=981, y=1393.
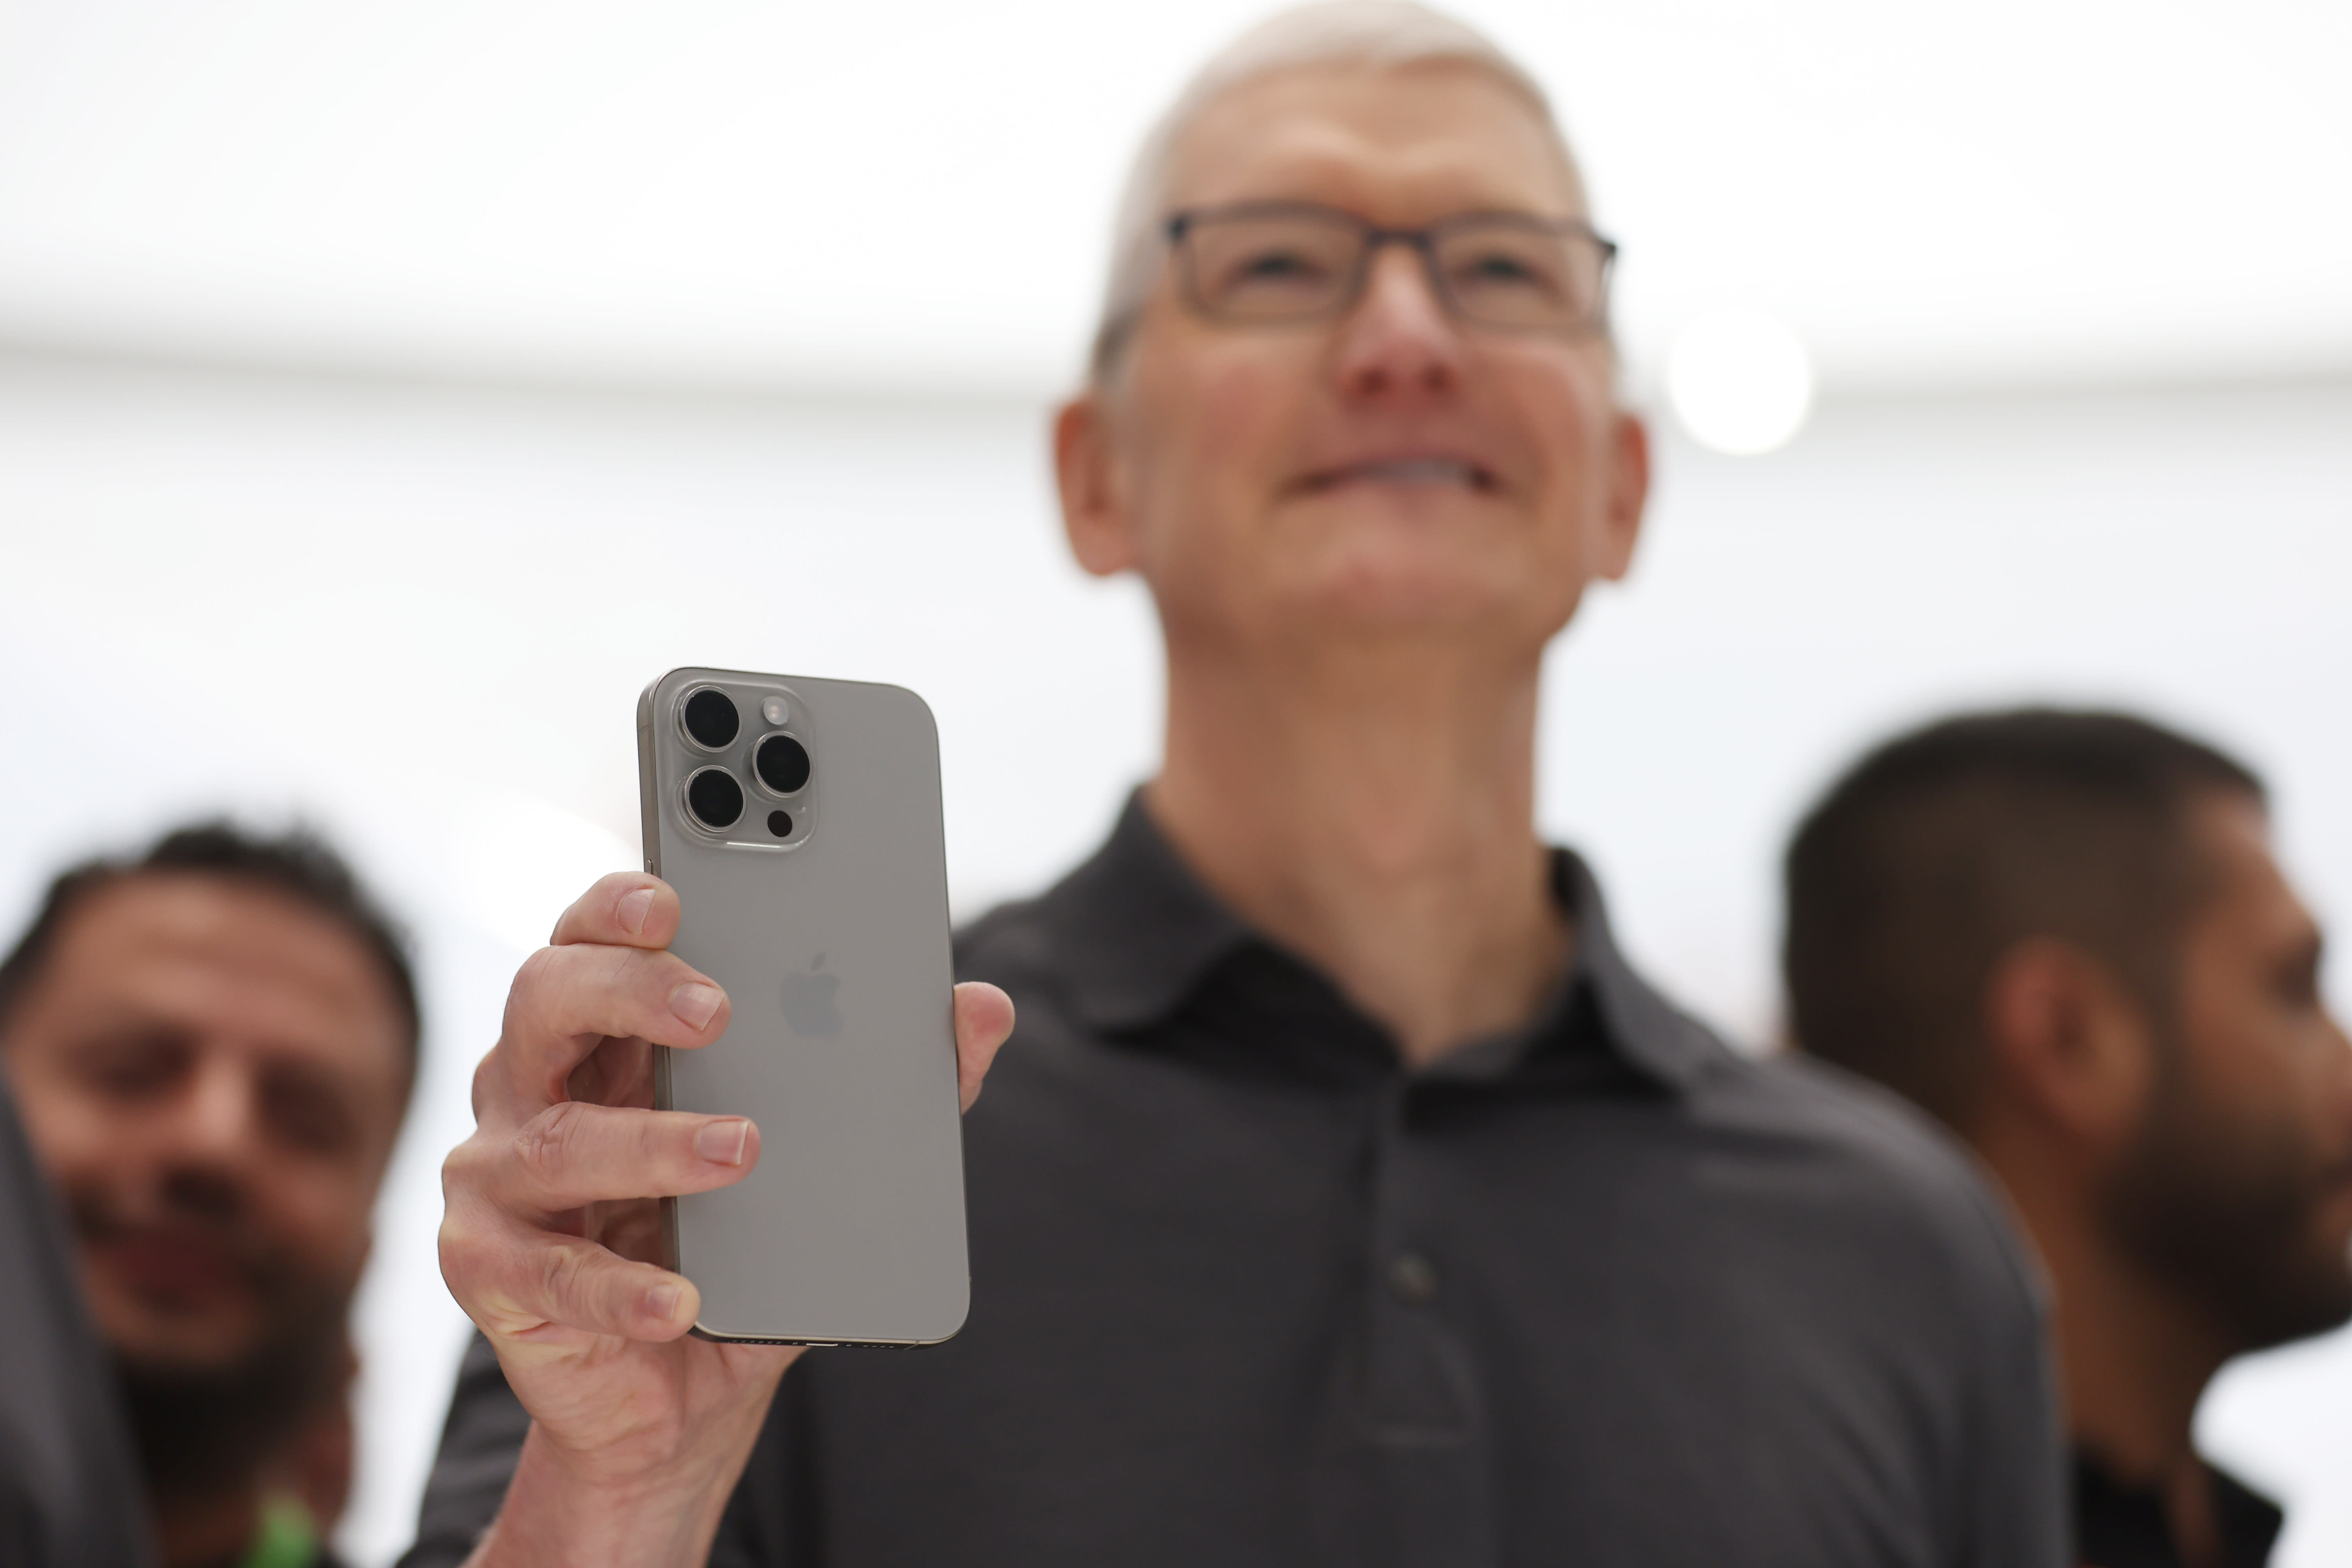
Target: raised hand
x=553, y=1228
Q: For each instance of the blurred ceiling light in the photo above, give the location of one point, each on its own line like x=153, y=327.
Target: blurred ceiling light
x=1739, y=382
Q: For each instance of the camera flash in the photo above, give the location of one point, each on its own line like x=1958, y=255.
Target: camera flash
x=773, y=709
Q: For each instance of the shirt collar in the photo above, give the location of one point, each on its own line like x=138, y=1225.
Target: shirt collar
x=1138, y=933
x=1649, y=1031
x=1134, y=928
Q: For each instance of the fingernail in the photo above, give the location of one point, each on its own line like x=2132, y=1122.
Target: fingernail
x=661, y=1303
x=722, y=1142
x=695, y=1004
x=633, y=909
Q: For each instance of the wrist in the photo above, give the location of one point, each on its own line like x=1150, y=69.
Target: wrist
x=558, y=1511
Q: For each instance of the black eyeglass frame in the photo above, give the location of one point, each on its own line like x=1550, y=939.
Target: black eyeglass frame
x=1424, y=240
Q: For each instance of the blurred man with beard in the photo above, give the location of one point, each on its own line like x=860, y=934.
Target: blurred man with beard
x=212, y=1049
x=2066, y=935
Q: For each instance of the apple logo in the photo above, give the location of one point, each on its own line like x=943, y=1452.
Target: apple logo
x=810, y=1006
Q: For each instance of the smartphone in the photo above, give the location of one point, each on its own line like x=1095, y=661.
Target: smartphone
x=799, y=820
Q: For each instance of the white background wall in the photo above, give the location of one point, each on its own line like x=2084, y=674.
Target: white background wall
x=920, y=190
x=421, y=617
x=2072, y=272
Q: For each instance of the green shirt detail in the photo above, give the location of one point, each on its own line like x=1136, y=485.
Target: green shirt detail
x=288, y=1537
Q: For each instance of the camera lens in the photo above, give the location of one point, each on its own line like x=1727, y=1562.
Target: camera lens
x=710, y=719
x=783, y=765
x=714, y=799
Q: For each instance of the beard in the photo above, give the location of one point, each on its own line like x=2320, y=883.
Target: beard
x=2227, y=1213
x=199, y=1429
x=202, y=1424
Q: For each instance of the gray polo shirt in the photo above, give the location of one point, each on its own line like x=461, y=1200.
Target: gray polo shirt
x=1246, y=1290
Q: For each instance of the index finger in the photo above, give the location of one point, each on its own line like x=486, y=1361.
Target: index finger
x=626, y=909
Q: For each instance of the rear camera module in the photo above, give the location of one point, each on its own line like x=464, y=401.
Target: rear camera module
x=709, y=717
x=714, y=799
x=783, y=763
x=780, y=823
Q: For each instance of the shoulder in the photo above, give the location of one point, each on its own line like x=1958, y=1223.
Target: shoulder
x=1011, y=942
x=1881, y=1166
x=1025, y=948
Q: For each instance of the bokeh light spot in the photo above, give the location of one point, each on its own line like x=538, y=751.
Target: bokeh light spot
x=1739, y=382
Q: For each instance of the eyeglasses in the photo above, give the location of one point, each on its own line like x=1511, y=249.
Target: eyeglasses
x=1274, y=262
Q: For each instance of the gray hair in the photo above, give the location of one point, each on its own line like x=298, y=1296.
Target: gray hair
x=1380, y=33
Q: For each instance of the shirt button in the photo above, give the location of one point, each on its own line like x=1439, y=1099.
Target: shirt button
x=1412, y=1279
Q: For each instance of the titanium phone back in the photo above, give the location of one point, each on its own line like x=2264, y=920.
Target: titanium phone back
x=799, y=820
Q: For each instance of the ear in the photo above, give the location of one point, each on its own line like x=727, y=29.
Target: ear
x=1094, y=510
x=2073, y=1050
x=1628, y=494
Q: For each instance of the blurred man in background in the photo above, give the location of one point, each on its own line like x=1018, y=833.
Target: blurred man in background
x=2064, y=934
x=1347, y=1197
x=212, y=1049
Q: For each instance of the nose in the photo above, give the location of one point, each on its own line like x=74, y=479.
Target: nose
x=219, y=1117
x=1399, y=344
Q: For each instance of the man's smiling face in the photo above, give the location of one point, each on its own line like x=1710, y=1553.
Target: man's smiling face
x=1390, y=471
x=213, y=1075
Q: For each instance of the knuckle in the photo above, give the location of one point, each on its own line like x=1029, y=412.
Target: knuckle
x=598, y=983
x=460, y=1170
x=469, y=1262
x=614, y=967
x=554, y=1274
x=537, y=979
x=483, y=1081
x=563, y=1279
x=456, y=1248
x=544, y=1145
x=536, y=973
x=469, y=1171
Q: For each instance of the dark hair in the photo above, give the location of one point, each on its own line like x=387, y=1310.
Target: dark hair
x=1946, y=846
x=298, y=864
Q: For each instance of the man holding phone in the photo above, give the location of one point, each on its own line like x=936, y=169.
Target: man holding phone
x=1347, y=1197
